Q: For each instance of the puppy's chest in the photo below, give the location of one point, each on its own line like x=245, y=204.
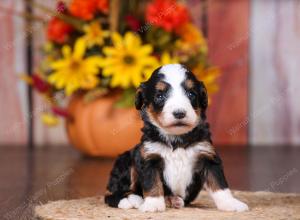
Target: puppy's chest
x=178, y=166
x=178, y=170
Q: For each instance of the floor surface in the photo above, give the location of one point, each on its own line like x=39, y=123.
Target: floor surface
x=28, y=178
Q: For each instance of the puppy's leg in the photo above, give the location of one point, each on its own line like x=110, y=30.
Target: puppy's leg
x=121, y=186
x=217, y=187
x=153, y=192
x=154, y=200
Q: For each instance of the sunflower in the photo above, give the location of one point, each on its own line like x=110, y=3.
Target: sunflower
x=94, y=34
x=74, y=71
x=127, y=61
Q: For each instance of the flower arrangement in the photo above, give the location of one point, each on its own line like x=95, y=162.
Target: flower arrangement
x=97, y=47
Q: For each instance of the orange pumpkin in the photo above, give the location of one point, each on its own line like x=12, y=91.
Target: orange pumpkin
x=97, y=128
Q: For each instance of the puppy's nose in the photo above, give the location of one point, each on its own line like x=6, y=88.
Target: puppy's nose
x=179, y=114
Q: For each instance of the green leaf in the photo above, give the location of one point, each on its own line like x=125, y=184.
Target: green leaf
x=127, y=99
x=94, y=94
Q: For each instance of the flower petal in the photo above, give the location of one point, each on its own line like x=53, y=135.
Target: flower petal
x=66, y=51
x=79, y=49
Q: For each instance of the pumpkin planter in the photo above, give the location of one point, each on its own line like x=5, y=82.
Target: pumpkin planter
x=97, y=128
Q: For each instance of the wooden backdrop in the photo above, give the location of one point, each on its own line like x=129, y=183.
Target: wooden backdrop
x=275, y=77
x=266, y=30
x=13, y=105
x=228, y=23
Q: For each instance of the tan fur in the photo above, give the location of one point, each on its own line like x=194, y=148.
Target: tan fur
x=211, y=183
x=154, y=115
x=161, y=86
x=142, y=152
x=157, y=189
x=189, y=84
x=133, y=178
x=209, y=153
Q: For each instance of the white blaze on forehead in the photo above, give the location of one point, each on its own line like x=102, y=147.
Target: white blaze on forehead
x=174, y=74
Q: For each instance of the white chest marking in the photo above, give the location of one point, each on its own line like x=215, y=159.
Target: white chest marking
x=179, y=164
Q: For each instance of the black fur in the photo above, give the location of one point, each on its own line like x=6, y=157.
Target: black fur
x=120, y=182
x=204, y=167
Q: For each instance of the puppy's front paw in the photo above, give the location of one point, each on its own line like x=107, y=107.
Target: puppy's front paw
x=135, y=200
x=125, y=204
x=233, y=204
x=153, y=204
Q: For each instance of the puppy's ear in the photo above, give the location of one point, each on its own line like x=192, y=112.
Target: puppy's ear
x=203, y=98
x=139, y=97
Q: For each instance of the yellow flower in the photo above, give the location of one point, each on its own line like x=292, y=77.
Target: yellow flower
x=94, y=34
x=127, y=61
x=49, y=119
x=208, y=76
x=167, y=59
x=74, y=71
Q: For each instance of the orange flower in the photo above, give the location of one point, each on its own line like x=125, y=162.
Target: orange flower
x=103, y=6
x=191, y=34
x=86, y=9
x=83, y=9
x=58, y=31
x=167, y=14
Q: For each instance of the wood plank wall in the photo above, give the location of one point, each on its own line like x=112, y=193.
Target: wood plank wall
x=13, y=115
x=228, y=23
x=275, y=78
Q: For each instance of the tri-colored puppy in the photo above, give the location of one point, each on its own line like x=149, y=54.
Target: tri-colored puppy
x=175, y=158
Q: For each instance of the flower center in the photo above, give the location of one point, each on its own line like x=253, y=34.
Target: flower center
x=74, y=65
x=96, y=33
x=128, y=59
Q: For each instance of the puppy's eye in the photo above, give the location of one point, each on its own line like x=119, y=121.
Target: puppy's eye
x=159, y=96
x=191, y=94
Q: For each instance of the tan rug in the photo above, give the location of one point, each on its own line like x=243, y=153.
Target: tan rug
x=263, y=205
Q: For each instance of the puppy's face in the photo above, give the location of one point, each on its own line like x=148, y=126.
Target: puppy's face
x=173, y=99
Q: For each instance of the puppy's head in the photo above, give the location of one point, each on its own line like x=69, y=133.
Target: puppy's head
x=173, y=99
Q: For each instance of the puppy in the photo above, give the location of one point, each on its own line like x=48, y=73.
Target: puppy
x=175, y=158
